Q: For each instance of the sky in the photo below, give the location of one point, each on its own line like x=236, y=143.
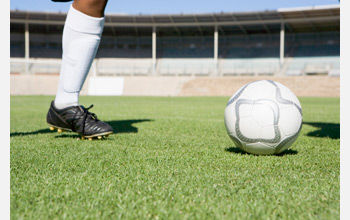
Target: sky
x=172, y=7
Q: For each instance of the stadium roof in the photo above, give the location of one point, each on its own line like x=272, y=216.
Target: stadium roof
x=319, y=18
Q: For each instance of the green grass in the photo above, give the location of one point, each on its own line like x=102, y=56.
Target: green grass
x=170, y=158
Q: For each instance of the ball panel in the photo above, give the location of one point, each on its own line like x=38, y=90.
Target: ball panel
x=287, y=94
x=230, y=118
x=245, y=110
x=236, y=141
x=248, y=128
x=237, y=95
x=290, y=120
x=268, y=132
x=259, y=148
x=259, y=90
x=286, y=143
x=265, y=112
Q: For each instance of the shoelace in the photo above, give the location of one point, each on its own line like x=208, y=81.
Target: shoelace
x=86, y=114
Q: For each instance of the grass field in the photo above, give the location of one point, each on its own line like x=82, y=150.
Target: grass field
x=170, y=158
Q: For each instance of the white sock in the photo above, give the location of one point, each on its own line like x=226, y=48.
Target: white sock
x=81, y=38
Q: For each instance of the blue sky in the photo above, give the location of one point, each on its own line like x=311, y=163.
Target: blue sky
x=174, y=6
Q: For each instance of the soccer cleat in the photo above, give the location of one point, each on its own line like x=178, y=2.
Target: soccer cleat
x=77, y=119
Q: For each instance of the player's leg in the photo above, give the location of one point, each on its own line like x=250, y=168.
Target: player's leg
x=94, y=8
x=81, y=37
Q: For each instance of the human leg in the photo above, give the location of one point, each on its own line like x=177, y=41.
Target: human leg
x=81, y=37
x=94, y=8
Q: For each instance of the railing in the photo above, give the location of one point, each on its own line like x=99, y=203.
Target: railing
x=186, y=67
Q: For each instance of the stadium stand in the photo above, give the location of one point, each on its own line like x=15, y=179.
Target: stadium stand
x=284, y=42
x=189, y=67
x=252, y=66
x=124, y=66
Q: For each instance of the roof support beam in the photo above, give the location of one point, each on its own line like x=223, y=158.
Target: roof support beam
x=216, y=48
x=199, y=28
x=26, y=47
x=216, y=44
x=282, y=45
x=135, y=27
x=154, y=50
x=215, y=21
x=264, y=25
x=189, y=24
x=312, y=25
x=240, y=26
x=176, y=29
x=287, y=25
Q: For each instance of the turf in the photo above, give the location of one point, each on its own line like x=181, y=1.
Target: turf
x=170, y=158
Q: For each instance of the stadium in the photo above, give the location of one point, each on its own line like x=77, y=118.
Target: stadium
x=186, y=54
x=163, y=83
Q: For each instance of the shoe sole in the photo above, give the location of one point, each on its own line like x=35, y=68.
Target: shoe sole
x=83, y=137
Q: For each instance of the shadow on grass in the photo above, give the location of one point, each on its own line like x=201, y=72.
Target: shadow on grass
x=41, y=131
x=237, y=150
x=329, y=130
x=120, y=126
x=126, y=126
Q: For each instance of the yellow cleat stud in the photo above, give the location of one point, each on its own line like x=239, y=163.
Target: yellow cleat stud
x=90, y=139
x=52, y=128
x=59, y=130
x=99, y=137
x=83, y=138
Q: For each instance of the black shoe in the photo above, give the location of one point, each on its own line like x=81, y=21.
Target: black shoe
x=77, y=119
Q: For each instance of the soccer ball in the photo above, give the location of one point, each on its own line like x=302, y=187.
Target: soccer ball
x=263, y=117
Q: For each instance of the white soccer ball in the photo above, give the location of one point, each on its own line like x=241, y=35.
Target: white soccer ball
x=263, y=117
